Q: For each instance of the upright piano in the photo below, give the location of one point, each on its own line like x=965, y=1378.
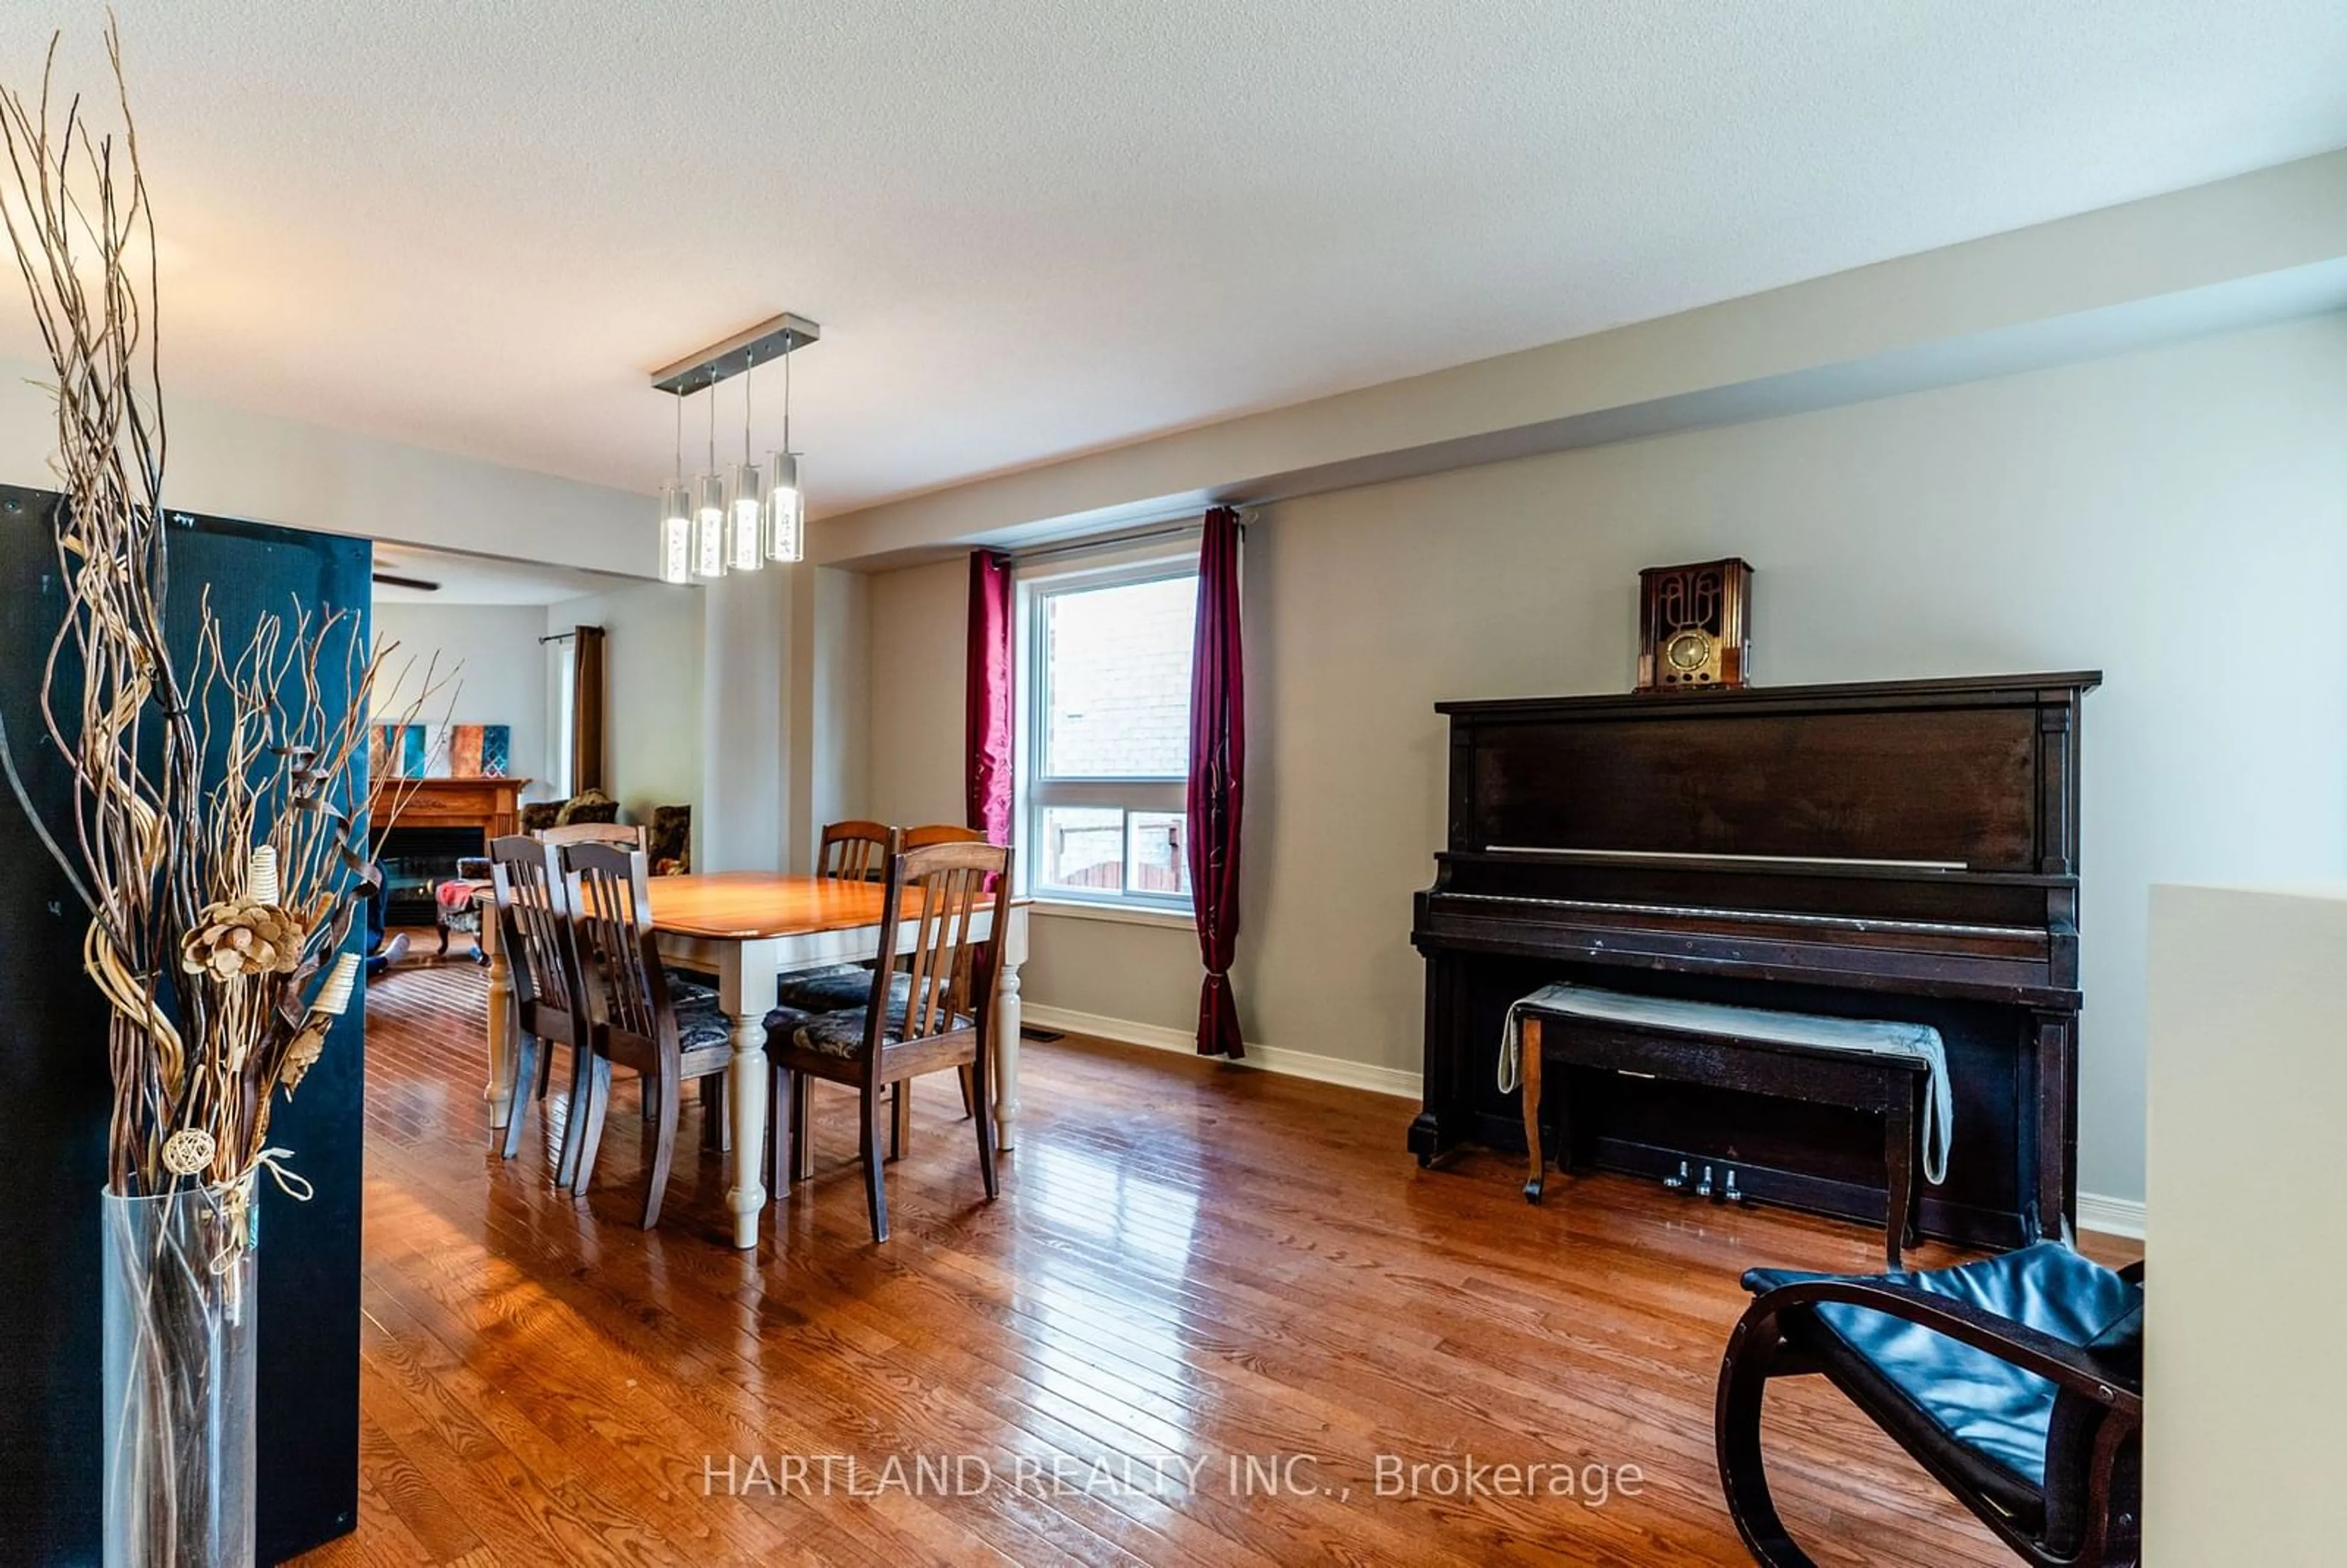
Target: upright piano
x=1899, y=850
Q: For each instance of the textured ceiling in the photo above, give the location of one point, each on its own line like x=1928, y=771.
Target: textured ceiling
x=1031, y=226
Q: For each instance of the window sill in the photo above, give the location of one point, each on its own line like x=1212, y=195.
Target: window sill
x=1115, y=913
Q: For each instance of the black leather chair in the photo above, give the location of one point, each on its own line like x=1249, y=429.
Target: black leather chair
x=2017, y=1381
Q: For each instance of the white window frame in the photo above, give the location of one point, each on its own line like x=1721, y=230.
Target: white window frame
x=1037, y=585
x=561, y=712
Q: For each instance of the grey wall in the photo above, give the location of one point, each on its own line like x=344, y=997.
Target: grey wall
x=2171, y=516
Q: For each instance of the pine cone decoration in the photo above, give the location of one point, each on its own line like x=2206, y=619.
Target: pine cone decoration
x=243, y=937
x=303, y=1054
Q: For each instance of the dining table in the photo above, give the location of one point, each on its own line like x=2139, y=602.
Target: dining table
x=745, y=929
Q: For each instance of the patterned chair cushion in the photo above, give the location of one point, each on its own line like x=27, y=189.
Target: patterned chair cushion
x=837, y=987
x=452, y=902
x=672, y=840
x=686, y=990
x=538, y=816
x=842, y=1033
x=783, y=1023
x=587, y=805
x=699, y=1024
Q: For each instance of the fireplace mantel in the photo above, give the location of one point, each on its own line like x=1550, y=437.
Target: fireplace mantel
x=492, y=805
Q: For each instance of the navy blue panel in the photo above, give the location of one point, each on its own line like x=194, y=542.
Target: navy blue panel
x=52, y=1101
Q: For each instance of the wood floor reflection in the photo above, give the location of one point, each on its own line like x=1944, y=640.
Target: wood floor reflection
x=1188, y=1261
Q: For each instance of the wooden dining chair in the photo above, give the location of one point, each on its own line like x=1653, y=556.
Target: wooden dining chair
x=543, y=963
x=942, y=833
x=942, y=1019
x=633, y=1021
x=900, y=1131
x=684, y=991
x=624, y=835
x=837, y=987
x=855, y=851
x=850, y=852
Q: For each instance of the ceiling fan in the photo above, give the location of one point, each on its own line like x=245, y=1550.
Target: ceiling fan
x=394, y=578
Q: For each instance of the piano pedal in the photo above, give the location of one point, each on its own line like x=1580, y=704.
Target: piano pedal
x=1677, y=1184
x=1733, y=1194
x=1703, y=1188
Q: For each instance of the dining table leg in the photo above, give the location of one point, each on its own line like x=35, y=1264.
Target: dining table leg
x=746, y=994
x=1006, y=1034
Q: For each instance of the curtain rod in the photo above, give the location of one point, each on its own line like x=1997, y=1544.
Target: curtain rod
x=1140, y=535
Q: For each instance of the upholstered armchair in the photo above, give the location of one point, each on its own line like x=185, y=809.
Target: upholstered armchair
x=671, y=844
x=587, y=805
x=2016, y=1381
x=454, y=906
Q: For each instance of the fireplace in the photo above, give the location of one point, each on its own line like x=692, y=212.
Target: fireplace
x=435, y=824
x=413, y=860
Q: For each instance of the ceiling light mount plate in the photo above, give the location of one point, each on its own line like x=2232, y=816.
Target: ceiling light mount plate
x=761, y=345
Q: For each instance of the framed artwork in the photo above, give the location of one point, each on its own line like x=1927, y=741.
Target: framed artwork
x=441, y=751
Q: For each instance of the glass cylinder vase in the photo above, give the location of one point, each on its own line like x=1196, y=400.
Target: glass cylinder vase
x=180, y=1310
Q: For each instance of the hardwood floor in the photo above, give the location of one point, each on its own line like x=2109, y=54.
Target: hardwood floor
x=1188, y=1261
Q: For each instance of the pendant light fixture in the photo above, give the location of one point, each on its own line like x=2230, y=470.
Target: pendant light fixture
x=709, y=516
x=736, y=519
x=676, y=516
x=786, y=505
x=746, y=502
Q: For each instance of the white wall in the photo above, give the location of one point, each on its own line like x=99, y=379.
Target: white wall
x=652, y=674
x=2258, y=248
x=831, y=741
x=918, y=707
x=500, y=672
x=2169, y=516
x=745, y=743
x=231, y=462
x=2246, y=1393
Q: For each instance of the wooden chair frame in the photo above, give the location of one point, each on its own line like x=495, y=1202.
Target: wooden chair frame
x=855, y=851
x=632, y=1016
x=901, y=1126
x=952, y=973
x=533, y=922
x=930, y=832
x=2110, y=1503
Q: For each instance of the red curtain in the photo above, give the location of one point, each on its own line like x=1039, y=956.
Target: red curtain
x=987, y=720
x=1217, y=768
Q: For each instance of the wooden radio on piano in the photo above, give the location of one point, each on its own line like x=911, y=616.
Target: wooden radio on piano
x=1694, y=630
x=1901, y=850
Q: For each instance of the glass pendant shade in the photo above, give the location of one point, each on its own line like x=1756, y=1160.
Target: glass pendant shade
x=745, y=505
x=709, y=528
x=786, y=510
x=676, y=533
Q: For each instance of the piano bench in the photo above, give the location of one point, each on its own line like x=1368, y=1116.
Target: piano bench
x=1888, y=1086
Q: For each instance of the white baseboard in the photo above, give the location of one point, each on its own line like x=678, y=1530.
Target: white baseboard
x=2112, y=1217
x=1391, y=1080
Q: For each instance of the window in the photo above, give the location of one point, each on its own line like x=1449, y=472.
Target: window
x=560, y=672
x=1107, y=734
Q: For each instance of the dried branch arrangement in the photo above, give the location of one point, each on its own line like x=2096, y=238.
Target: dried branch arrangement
x=214, y=837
